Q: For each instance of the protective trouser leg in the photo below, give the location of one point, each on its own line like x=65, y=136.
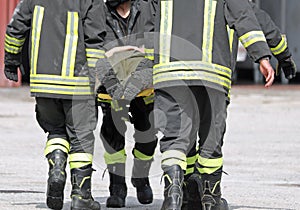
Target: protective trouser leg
x=173, y=177
x=56, y=179
x=117, y=186
x=81, y=189
x=140, y=180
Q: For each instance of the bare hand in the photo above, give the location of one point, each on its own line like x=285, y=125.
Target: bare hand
x=267, y=70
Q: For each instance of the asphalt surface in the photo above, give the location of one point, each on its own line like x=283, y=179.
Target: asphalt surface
x=261, y=153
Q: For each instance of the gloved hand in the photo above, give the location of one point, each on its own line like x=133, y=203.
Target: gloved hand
x=115, y=91
x=11, y=72
x=139, y=80
x=288, y=67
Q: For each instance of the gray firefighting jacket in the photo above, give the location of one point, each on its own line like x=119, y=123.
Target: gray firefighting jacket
x=64, y=35
x=194, y=46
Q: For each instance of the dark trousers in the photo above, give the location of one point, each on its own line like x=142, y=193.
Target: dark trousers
x=72, y=120
x=113, y=127
x=184, y=114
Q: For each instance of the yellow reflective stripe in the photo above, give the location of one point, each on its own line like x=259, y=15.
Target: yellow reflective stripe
x=192, y=160
x=208, y=29
x=165, y=30
x=12, y=49
x=37, y=20
x=92, y=62
x=281, y=47
x=148, y=99
x=174, y=161
x=189, y=170
x=58, y=141
x=117, y=157
x=146, y=92
x=83, y=180
x=81, y=157
x=71, y=41
x=149, y=53
x=60, y=89
x=192, y=75
x=14, y=41
x=104, y=96
x=55, y=79
x=207, y=170
x=191, y=65
x=141, y=156
x=174, y=154
x=252, y=37
x=230, y=37
x=78, y=164
x=208, y=162
x=94, y=53
x=51, y=148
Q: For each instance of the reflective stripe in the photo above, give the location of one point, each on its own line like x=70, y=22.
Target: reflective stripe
x=92, y=62
x=71, y=41
x=230, y=37
x=137, y=154
x=149, y=53
x=192, y=65
x=14, y=41
x=78, y=164
x=61, y=141
x=208, y=162
x=252, y=37
x=94, y=53
x=37, y=20
x=192, y=160
x=81, y=157
x=115, y=106
x=60, y=89
x=281, y=47
x=148, y=99
x=173, y=154
x=83, y=180
x=57, y=143
x=12, y=49
x=192, y=75
x=189, y=170
x=207, y=170
x=208, y=29
x=51, y=148
x=165, y=30
x=55, y=79
x=174, y=161
x=117, y=157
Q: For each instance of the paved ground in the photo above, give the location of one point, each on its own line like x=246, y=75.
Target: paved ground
x=262, y=153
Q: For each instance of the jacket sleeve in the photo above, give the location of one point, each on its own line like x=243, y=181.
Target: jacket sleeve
x=241, y=17
x=16, y=31
x=94, y=32
x=276, y=41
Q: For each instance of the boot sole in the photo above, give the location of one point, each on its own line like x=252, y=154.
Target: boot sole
x=55, y=196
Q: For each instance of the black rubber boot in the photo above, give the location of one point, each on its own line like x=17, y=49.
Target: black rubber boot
x=192, y=193
x=117, y=186
x=140, y=180
x=173, y=193
x=81, y=189
x=211, y=199
x=56, y=179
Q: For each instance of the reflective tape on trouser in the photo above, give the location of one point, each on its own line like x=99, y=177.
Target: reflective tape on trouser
x=117, y=157
x=139, y=155
x=174, y=157
x=57, y=143
x=209, y=166
x=78, y=160
x=191, y=164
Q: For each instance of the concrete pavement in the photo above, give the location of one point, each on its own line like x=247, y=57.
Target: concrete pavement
x=261, y=153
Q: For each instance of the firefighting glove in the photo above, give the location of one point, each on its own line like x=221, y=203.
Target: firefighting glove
x=288, y=67
x=138, y=81
x=11, y=72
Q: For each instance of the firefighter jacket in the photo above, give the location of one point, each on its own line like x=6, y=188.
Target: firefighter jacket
x=276, y=41
x=63, y=36
x=194, y=47
x=137, y=30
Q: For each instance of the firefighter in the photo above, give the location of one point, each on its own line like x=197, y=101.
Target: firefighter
x=66, y=39
x=279, y=48
x=192, y=81
x=124, y=73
